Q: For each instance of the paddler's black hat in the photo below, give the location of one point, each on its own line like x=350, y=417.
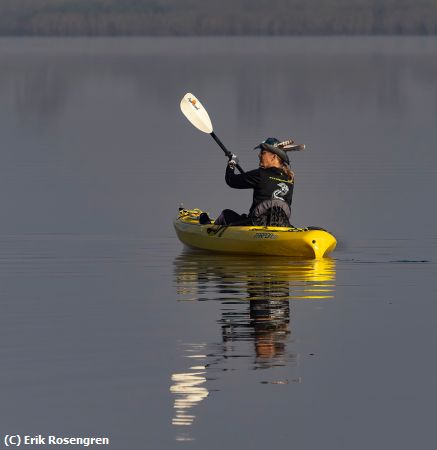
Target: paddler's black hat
x=273, y=145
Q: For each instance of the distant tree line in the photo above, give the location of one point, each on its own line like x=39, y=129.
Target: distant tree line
x=220, y=17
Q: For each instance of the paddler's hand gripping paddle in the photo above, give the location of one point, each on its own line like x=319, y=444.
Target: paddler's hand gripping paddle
x=198, y=116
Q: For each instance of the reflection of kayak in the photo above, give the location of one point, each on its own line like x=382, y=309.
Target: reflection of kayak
x=281, y=241
x=219, y=276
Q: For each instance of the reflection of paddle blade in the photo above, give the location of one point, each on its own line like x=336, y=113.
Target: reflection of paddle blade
x=189, y=389
x=194, y=111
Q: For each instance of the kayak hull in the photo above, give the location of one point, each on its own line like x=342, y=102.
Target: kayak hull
x=256, y=240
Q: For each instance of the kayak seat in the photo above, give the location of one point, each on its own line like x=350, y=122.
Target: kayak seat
x=271, y=213
x=273, y=217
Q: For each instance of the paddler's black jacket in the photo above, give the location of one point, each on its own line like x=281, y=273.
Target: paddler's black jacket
x=271, y=183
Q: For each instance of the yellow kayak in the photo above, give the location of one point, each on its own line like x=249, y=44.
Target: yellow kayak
x=257, y=240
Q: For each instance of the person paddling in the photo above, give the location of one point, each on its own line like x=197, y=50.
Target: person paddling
x=272, y=185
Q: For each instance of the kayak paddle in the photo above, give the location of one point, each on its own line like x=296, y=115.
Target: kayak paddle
x=194, y=111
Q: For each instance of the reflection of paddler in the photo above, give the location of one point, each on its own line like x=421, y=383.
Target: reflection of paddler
x=270, y=315
x=270, y=320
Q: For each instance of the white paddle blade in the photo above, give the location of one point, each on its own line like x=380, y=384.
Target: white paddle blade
x=196, y=113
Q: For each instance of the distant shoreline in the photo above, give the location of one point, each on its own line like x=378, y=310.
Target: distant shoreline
x=225, y=18
x=211, y=35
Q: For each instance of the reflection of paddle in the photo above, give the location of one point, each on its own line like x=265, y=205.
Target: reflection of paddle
x=198, y=116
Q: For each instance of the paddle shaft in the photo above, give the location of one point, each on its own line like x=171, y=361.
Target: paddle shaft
x=227, y=152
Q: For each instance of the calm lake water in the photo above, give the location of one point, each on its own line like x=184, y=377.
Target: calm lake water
x=108, y=328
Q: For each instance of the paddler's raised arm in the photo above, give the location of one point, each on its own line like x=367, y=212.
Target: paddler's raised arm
x=247, y=180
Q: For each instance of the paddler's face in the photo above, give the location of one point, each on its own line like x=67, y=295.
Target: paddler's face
x=267, y=159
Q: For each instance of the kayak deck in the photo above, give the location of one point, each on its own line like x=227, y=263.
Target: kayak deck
x=257, y=240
